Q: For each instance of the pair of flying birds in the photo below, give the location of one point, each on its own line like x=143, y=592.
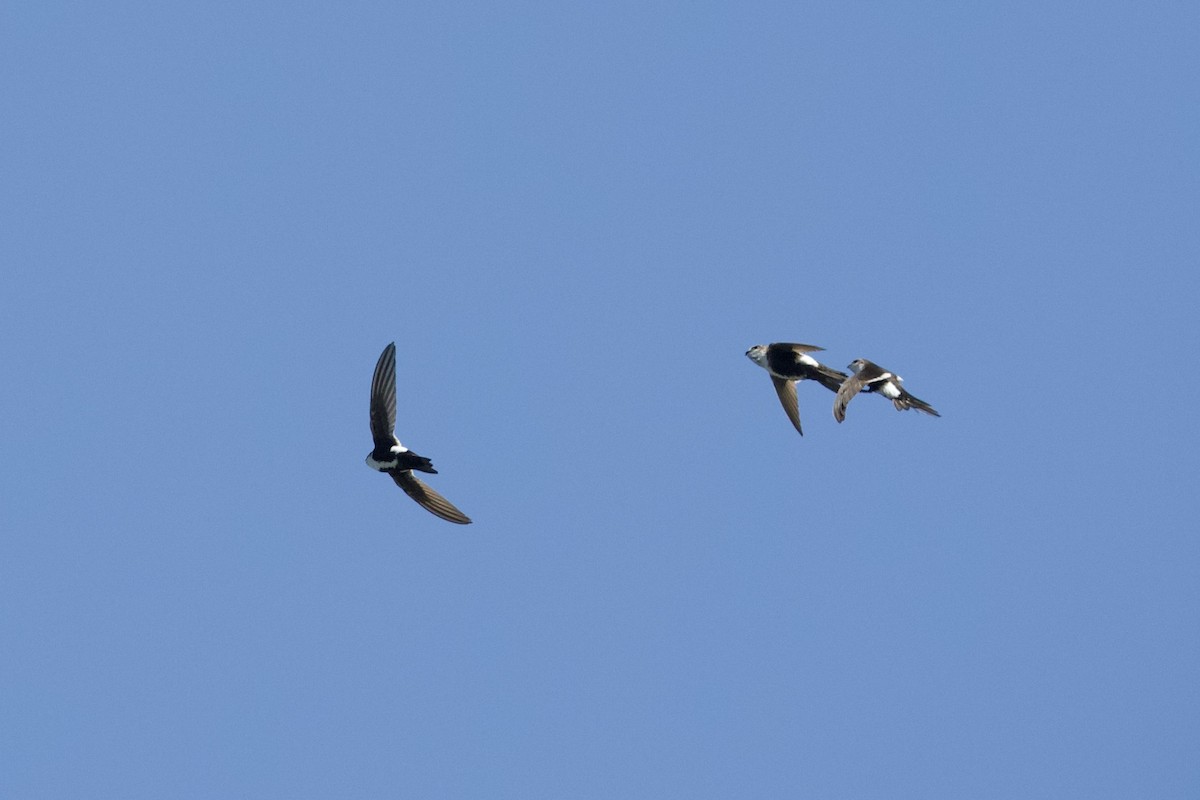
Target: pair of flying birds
x=790, y=363
x=787, y=363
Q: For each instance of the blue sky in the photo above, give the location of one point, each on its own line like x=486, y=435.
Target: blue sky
x=573, y=220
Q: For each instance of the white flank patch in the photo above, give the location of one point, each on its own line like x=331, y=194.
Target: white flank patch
x=384, y=466
x=889, y=390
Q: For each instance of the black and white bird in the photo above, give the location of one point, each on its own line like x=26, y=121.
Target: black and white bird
x=789, y=363
x=870, y=377
x=394, y=458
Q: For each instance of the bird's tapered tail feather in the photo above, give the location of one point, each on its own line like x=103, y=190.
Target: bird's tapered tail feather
x=907, y=401
x=830, y=378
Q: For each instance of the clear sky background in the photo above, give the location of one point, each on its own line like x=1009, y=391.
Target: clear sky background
x=573, y=219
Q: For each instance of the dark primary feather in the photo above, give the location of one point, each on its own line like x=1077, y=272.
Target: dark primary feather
x=850, y=387
x=430, y=500
x=799, y=348
x=383, y=398
x=787, y=397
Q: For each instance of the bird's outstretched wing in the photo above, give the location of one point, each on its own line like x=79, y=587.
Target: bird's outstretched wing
x=383, y=398
x=787, y=397
x=433, y=502
x=799, y=348
x=850, y=387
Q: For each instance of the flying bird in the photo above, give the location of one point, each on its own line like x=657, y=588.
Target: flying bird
x=870, y=377
x=789, y=363
x=394, y=458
